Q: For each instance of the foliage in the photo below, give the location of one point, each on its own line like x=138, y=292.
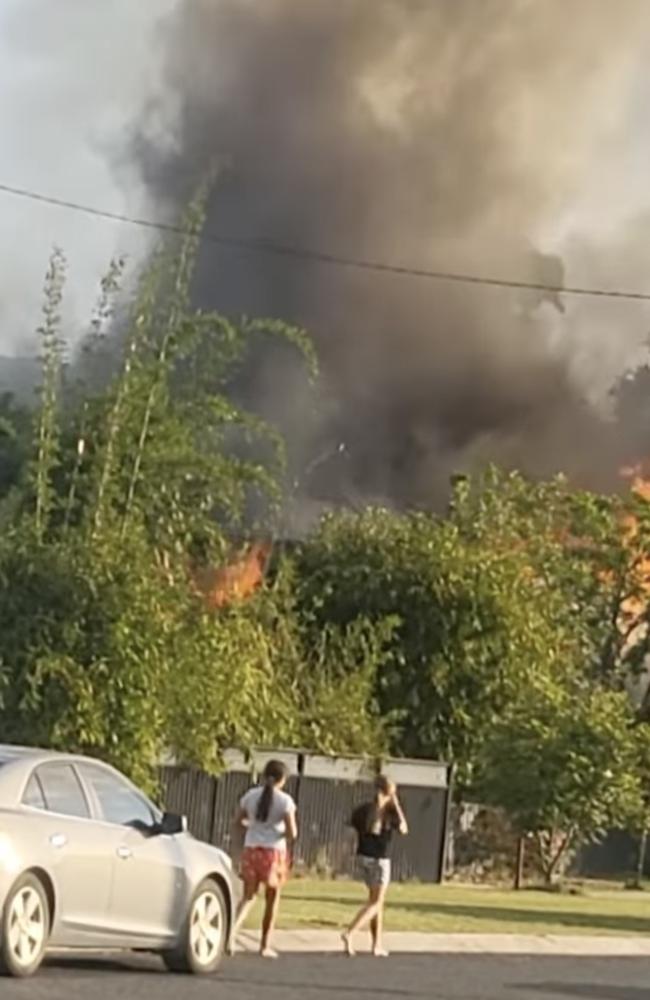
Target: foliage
x=564, y=768
x=104, y=655
x=586, y=552
x=467, y=630
x=267, y=686
x=331, y=671
x=84, y=648
x=106, y=646
x=47, y=430
x=501, y=636
x=15, y=438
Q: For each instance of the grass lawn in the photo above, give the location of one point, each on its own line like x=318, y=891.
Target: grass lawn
x=463, y=909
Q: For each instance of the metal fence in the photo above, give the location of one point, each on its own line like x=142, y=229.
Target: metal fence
x=326, y=791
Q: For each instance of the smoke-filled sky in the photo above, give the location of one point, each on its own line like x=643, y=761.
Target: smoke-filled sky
x=471, y=135
x=74, y=75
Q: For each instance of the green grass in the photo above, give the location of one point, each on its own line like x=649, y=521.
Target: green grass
x=312, y=904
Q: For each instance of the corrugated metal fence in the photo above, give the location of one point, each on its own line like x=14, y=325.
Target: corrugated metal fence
x=326, y=791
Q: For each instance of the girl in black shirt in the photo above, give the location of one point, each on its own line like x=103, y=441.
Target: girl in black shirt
x=374, y=823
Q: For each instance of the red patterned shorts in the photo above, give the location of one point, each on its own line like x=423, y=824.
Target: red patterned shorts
x=264, y=866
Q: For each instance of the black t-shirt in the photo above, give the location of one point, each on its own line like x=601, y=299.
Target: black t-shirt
x=373, y=842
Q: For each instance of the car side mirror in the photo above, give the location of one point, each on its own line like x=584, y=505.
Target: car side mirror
x=172, y=824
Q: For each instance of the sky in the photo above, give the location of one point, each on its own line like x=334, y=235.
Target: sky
x=73, y=76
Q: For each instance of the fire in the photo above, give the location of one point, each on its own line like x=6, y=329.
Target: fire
x=236, y=581
x=634, y=607
x=638, y=476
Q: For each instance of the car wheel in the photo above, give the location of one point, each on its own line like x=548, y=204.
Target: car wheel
x=25, y=928
x=203, y=938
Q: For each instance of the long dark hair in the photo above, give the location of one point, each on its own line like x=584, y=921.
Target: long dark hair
x=274, y=774
x=383, y=786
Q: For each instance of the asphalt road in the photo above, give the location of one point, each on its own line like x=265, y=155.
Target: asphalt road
x=440, y=977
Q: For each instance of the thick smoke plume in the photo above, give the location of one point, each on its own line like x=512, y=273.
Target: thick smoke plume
x=449, y=134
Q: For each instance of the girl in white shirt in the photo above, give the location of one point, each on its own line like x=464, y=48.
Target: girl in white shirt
x=268, y=815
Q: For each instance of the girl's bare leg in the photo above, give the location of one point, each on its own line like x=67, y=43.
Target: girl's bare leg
x=366, y=913
x=377, y=927
x=245, y=904
x=268, y=923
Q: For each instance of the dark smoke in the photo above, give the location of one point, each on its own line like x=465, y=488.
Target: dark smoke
x=436, y=133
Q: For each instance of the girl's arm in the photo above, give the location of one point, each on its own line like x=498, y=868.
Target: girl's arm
x=291, y=833
x=291, y=826
x=402, y=824
x=240, y=819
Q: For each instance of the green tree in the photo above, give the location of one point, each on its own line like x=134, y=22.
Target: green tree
x=15, y=440
x=565, y=769
x=85, y=648
x=588, y=554
x=250, y=677
x=331, y=670
x=106, y=646
x=468, y=630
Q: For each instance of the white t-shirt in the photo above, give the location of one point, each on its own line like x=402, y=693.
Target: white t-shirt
x=271, y=833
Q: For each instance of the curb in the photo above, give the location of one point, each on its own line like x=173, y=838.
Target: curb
x=329, y=942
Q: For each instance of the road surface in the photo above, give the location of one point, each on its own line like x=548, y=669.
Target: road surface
x=435, y=977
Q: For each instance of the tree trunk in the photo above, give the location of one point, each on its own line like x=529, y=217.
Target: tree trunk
x=553, y=853
x=521, y=858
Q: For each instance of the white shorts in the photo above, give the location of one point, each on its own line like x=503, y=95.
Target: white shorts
x=375, y=872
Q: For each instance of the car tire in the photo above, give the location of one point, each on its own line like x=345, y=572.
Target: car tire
x=204, y=935
x=25, y=928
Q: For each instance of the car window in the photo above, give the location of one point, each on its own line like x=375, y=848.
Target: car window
x=62, y=790
x=33, y=795
x=118, y=801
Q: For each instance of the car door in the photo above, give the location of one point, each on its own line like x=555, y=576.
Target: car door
x=148, y=890
x=79, y=857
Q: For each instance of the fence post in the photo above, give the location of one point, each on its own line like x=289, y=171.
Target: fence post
x=444, y=851
x=640, y=858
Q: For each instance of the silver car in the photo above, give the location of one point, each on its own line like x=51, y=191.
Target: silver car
x=88, y=862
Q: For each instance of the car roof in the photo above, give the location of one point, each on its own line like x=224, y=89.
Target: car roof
x=17, y=763
x=22, y=758
x=10, y=753
x=14, y=754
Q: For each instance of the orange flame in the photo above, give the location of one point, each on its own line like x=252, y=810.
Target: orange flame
x=634, y=607
x=237, y=581
x=638, y=476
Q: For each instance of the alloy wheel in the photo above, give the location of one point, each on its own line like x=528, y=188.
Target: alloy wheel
x=206, y=927
x=26, y=927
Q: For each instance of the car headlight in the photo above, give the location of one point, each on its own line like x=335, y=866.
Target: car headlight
x=9, y=860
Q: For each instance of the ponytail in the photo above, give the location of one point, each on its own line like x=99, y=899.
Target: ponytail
x=275, y=773
x=265, y=802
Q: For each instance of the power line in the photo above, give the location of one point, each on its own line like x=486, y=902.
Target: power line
x=320, y=257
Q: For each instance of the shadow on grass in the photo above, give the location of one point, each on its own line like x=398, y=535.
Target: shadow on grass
x=506, y=914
